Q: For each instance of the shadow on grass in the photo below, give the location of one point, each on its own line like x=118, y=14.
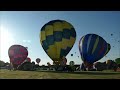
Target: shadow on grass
x=85, y=72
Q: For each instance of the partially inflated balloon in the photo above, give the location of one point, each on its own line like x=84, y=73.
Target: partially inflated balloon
x=57, y=38
x=92, y=48
x=17, y=54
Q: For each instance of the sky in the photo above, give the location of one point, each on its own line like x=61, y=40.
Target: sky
x=23, y=27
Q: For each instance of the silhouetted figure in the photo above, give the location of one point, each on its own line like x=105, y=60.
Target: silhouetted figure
x=82, y=67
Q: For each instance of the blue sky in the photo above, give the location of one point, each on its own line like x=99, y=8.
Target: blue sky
x=23, y=27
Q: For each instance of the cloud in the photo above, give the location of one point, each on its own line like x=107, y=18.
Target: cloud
x=29, y=41
x=26, y=41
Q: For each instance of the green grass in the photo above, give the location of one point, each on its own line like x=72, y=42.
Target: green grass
x=6, y=74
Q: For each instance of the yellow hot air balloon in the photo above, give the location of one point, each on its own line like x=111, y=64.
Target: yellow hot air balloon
x=108, y=61
x=57, y=38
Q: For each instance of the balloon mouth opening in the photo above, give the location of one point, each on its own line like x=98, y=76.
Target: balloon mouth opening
x=57, y=61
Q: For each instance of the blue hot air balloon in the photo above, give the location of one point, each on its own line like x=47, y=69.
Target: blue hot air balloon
x=92, y=48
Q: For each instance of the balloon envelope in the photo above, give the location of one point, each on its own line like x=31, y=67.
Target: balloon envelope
x=57, y=38
x=48, y=63
x=17, y=54
x=38, y=60
x=71, y=63
x=93, y=47
x=28, y=59
x=108, y=48
x=108, y=61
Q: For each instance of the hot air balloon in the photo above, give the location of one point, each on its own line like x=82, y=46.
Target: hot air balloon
x=92, y=48
x=57, y=38
x=17, y=55
x=28, y=59
x=108, y=62
x=48, y=63
x=111, y=34
x=72, y=67
x=71, y=63
x=33, y=62
x=38, y=60
x=112, y=65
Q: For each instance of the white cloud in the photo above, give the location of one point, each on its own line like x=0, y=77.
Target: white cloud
x=29, y=41
x=24, y=40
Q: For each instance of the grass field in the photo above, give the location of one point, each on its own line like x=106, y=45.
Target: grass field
x=6, y=74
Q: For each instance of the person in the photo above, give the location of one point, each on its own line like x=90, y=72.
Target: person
x=82, y=67
x=10, y=66
x=115, y=66
x=94, y=68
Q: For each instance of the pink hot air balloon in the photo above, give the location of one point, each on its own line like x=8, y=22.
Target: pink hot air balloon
x=17, y=55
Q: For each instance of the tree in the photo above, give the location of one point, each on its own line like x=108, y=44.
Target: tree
x=2, y=63
x=117, y=60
